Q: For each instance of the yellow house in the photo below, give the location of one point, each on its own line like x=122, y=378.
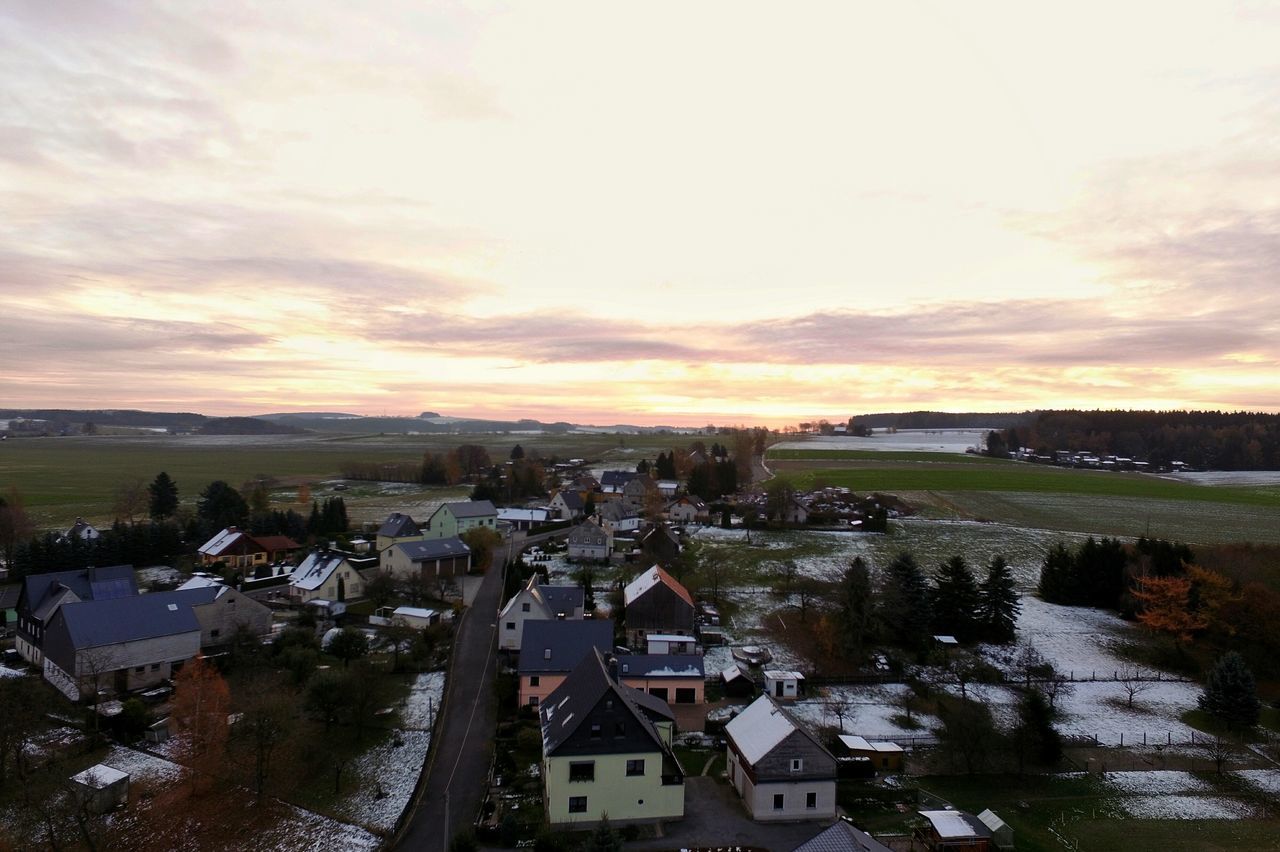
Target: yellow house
x=606, y=751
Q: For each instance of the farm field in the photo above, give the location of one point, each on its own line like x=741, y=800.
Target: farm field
x=68, y=477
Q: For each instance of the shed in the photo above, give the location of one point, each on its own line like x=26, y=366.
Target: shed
x=782, y=684
x=954, y=830
x=1001, y=832
x=884, y=755
x=670, y=643
x=737, y=681
x=101, y=788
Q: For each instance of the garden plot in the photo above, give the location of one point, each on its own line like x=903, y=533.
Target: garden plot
x=868, y=711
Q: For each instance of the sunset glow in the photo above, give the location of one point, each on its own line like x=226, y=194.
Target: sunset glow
x=661, y=213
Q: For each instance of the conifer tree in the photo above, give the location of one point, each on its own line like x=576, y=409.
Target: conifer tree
x=998, y=605
x=955, y=600
x=164, y=497
x=903, y=607
x=1230, y=692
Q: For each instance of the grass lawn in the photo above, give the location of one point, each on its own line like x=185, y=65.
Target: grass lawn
x=694, y=760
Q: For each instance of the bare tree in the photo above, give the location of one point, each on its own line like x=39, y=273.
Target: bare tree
x=1218, y=750
x=268, y=718
x=130, y=499
x=1134, y=683
x=1056, y=686
x=838, y=704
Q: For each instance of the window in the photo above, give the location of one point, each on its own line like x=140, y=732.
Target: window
x=619, y=729
x=811, y=801
x=635, y=767
x=524, y=607
x=155, y=667
x=577, y=804
x=511, y=625
x=797, y=764
x=546, y=653
x=582, y=770
x=595, y=732
x=215, y=633
x=535, y=680
x=140, y=669
x=777, y=801
x=533, y=701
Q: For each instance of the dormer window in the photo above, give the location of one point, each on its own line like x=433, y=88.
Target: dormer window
x=546, y=654
x=797, y=764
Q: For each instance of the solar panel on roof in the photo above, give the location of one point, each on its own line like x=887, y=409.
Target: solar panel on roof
x=103, y=590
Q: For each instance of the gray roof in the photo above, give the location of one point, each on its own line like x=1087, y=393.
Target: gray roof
x=9, y=596
x=572, y=499
x=562, y=598
x=588, y=532
x=661, y=665
x=842, y=837
x=436, y=548
x=616, y=478
x=94, y=623
x=581, y=691
x=472, y=509
x=568, y=641
x=398, y=526
x=112, y=581
x=616, y=510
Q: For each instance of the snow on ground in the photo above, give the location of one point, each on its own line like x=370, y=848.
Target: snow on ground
x=1156, y=782
x=869, y=711
x=1185, y=807
x=919, y=440
x=389, y=772
x=1098, y=710
x=1266, y=780
x=1076, y=640
x=5, y=671
x=1228, y=477
x=142, y=766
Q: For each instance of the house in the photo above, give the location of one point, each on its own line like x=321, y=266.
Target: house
x=589, y=542
x=222, y=610
x=237, y=549
x=795, y=512
x=842, y=836
x=884, y=756
x=536, y=602
x=9, y=595
x=660, y=544
x=101, y=788
x=613, y=481
x=668, y=488
x=397, y=528
x=671, y=644
x=655, y=602
x=606, y=751
x=675, y=678
x=326, y=575
x=777, y=767
x=454, y=519
x=121, y=644
x=566, y=505
x=639, y=491
x=82, y=530
x=523, y=520
x=687, y=510
x=430, y=558
x=782, y=684
x=42, y=594
x=549, y=650
x=617, y=517
x=948, y=830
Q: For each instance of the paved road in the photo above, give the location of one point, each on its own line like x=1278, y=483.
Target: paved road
x=464, y=743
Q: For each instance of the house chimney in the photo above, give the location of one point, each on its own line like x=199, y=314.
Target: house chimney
x=611, y=663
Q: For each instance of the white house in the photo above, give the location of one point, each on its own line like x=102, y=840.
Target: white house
x=325, y=575
x=536, y=602
x=779, y=769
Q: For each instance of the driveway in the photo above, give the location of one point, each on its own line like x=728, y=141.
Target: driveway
x=715, y=817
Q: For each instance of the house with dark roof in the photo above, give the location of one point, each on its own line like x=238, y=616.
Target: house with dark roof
x=614, y=481
x=237, y=549
x=687, y=510
x=223, y=610
x=566, y=505
x=589, y=542
x=42, y=594
x=82, y=530
x=616, y=516
x=656, y=602
x=454, y=519
x=779, y=769
x=327, y=575
x=675, y=678
x=536, y=602
x=606, y=751
x=397, y=528
x=429, y=558
x=549, y=650
x=660, y=544
x=119, y=644
x=842, y=836
x=639, y=491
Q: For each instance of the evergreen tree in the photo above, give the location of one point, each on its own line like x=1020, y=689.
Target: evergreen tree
x=642, y=467
x=604, y=838
x=221, y=506
x=1059, y=580
x=903, y=606
x=1230, y=692
x=1100, y=566
x=998, y=605
x=164, y=497
x=1034, y=736
x=517, y=452
x=855, y=608
x=955, y=601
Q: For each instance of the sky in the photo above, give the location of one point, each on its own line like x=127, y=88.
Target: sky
x=667, y=212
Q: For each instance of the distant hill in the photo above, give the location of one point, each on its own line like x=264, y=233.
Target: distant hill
x=246, y=426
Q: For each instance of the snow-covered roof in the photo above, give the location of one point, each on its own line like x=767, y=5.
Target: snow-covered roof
x=528, y=515
x=950, y=825
x=862, y=744
x=668, y=637
x=660, y=665
x=316, y=569
x=414, y=612
x=756, y=730
x=775, y=674
x=99, y=776
x=733, y=672
x=648, y=579
x=946, y=640
x=199, y=583
x=221, y=541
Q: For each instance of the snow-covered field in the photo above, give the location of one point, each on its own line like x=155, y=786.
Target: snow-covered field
x=1185, y=807
x=1229, y=477
x=868, y=711
x=1266, y=780
x=916, y=440
x=1157, y=782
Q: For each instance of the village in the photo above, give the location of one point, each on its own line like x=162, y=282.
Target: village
x=634, y=696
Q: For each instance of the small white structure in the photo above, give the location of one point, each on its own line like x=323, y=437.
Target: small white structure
x=1001, y=833
x=101, y=788
x=670, y=643
x=782, y=684
x=415, y=617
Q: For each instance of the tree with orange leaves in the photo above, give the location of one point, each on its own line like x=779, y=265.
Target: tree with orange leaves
x=1166, y=607
x=1211, y=595
x=201, y=702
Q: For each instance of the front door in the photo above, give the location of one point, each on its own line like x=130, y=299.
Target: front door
x=777, y=685
x=342, y=593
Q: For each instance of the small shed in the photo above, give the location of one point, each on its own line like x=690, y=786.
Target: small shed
x=670, y=643
x=1001, y=833
x=415, y=617
x=101, y=788
x=954, y=830
x=780, y=684
x=885, y=756
x=738, y=682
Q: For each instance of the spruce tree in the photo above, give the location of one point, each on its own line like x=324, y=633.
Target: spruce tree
x=998, y=605
x=1059, y=579
x=1034, y=735
x=1230, y=692
x=903, y=609
x=955, y=600
x=855, y=607
x=164, y=497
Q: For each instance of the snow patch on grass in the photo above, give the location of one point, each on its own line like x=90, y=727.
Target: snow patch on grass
x=1185, y=807
x=870, y=711
x=1266, y=780
x=1156, y=782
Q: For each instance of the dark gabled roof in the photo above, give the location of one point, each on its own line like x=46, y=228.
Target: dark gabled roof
x=562, y=598
x=651, y=706
x=572, y=499
x=616, y=478
x=842, y=837
x=113, y=581
x=661, y=665
x=569, y=642
x=584, y=688
x=436, y=548
x=398, y=526
x=9, y=596
x=91, y=624
x=273, y=543
x=472, y=509
x=588, y=532
x=616, y=510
